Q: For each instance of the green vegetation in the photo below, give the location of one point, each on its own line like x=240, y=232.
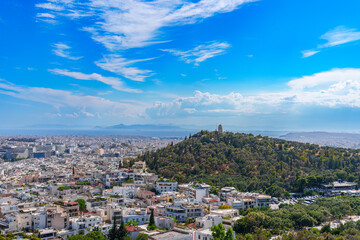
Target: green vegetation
x=152, y=225
x=82, y=204
x=225, y=206
x=132, y=223
x=10, y=236
x=82, y=183
x=218, y=232
x=350, y=230
x=296, y=216
x=253, y=163
x=118, y=233
x=95, y=235
x=142, y=236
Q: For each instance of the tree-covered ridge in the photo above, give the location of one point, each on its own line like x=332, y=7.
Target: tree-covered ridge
x=253, y=163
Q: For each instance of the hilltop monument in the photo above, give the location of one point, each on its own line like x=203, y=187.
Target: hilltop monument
x=220, y=129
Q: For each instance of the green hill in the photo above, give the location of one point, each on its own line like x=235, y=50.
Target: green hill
x=253, y=163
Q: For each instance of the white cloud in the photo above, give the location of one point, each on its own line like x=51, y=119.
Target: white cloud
x=62, y=50
x=138, y=23
x=324, y=78
x=120, y=25
x=50, y=6
x=337, y=36
x=340, y=35
x=114, y=82
x=46, y=17
x=201, y=52
x=122, y=66
x=61, y=99
x=309, y=53
x=331, y=89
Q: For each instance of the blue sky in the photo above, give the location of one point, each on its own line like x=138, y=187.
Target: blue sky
x=269, y=64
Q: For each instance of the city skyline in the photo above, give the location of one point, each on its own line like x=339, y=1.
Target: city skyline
x=272, y=65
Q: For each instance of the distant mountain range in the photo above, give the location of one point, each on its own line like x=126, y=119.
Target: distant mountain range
x=142, y=127
x=345, y=140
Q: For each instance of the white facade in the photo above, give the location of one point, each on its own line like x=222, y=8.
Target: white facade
x=83, y=222
x=166, y=187
x=24, y=221
x=135, y=214
x=39, y=220
x=203, y=234
x=208, y=221
x=126, y=192
x=164, y=222
x=6, y=208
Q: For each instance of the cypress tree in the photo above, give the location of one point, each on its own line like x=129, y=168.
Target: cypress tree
x=122, y=232
x=113, y=231
x=152, y=219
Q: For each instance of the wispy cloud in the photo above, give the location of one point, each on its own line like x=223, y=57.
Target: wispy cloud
x=62, y=50
x=122, y=66
x=61, y=99
x=337, y=36
x=114, y=82
x=137, y=23
x=340, y=35
x=331, y=89
x=51, y=5
x=201, y=52
x=120, y=25
x=46, y=17
x=309, y=53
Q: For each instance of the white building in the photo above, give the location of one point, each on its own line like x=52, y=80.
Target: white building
x=164, y=222
x=203, y=234
x=166, y=187
x=39, y=219
x=83, y=222
x=139, y=215
x=208, y=221
x=126, y=192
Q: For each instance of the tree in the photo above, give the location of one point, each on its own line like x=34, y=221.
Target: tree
x=152, y=219
x=82, y=204
x=94, y=235
x=218, y=232
x=113, y=231
x=132, y=222
x=122, y=232
x=229, y=234
x=142, y=236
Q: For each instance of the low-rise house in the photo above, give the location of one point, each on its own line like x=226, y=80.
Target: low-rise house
x=85, y=221
x=134, y=231
x=145, y=194
x=208, y=221
x=140, y=215
x=173, y=235
x=164, y=222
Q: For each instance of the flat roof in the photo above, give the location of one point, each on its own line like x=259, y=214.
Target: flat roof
x=174, y=235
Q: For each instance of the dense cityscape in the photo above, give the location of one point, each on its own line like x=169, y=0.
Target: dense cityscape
x=179, y=120
x=65, y=187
